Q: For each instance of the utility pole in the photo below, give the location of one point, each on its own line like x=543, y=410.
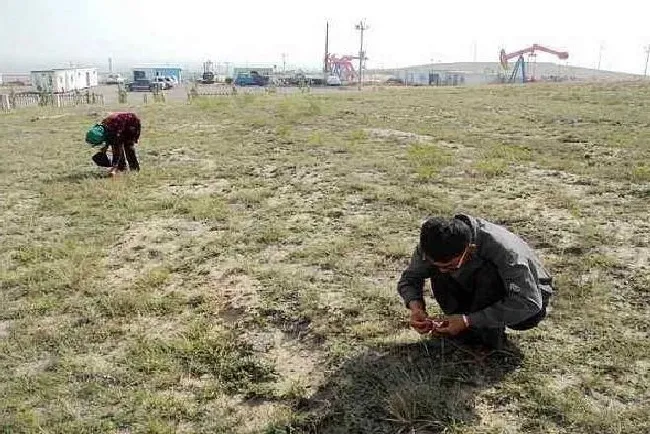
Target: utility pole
x=474, y=53
x=600, y=54
x=647, y=57
x=362, y=26
x=284, y=62
x=327, y=48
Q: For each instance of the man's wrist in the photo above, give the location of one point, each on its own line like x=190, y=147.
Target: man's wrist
x=416, y=305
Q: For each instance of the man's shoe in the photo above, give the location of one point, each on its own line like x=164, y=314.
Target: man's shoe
x=494, y=339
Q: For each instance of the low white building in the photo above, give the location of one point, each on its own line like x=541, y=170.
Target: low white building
x=64, y=80
x=15, y=78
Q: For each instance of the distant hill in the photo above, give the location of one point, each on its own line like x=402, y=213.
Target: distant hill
x=493, y=68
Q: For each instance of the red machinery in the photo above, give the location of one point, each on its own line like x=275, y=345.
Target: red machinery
x=342, y=66
x=531, y=51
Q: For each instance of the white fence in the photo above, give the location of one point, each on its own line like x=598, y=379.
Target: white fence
x=12, y=101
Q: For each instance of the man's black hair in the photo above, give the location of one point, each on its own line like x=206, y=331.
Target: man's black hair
x=441, y=240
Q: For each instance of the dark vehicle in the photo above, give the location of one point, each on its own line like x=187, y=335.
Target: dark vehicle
x=301, y=79
x=144, y=86
x=252, y=79
x=141, y=83
x=207, y=78
x=165, y=82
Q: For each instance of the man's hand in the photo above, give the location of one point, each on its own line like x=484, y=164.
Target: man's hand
x=420, y=320
x=452, y=325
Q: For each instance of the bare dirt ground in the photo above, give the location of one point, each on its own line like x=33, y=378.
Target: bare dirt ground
x=244, y=280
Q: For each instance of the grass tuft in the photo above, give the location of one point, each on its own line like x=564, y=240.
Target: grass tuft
x=429, y=160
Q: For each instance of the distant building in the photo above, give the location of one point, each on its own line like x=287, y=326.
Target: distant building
x=64, y=80
x=15, y=78
x=149, y=72
x=431, y=78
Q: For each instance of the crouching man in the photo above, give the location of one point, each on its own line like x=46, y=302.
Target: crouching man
x=484, y=278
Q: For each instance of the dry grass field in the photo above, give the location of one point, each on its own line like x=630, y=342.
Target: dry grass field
x=244, y=281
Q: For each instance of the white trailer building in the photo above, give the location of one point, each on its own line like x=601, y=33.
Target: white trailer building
x=64, y=80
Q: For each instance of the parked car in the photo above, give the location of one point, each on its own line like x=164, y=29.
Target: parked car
x=301, y=79
x=165, y=82
x=144, y=86
x=114, y=79
x=252, y=79
x=173, y=81
x=207, y=77
x=394, y=81
x=333, y=80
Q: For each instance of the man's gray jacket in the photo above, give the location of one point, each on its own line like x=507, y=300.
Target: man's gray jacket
x=520, y=269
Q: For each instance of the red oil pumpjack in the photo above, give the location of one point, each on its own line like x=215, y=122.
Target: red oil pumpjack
x=520, y=65
x=342, y=66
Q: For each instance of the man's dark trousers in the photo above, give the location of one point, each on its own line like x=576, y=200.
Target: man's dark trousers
x=487, y=289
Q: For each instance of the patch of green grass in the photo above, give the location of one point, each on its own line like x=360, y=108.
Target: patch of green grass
x=295, y=390
x=251, y=196
x=641, y=173
x=591, y=236
x=259, y=122
x=495, y=161
x=510, y=153
x=491, y=167
x=201, y=351
x=246, y=99
x=326, y=253
x=294, y=108
x=218, y=104
x=270, y=234
x=560, y=199
x=315, y=107
x=126, y=304
x=574, y=410
x=429, y=159
x=154, y=278
x=358, y=135
x=283, y=131
x=316, y=139
x=202, y=208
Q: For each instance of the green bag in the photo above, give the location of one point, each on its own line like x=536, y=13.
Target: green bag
x=96, y=135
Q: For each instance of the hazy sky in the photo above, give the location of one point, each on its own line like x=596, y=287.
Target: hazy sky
x=401, y=32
